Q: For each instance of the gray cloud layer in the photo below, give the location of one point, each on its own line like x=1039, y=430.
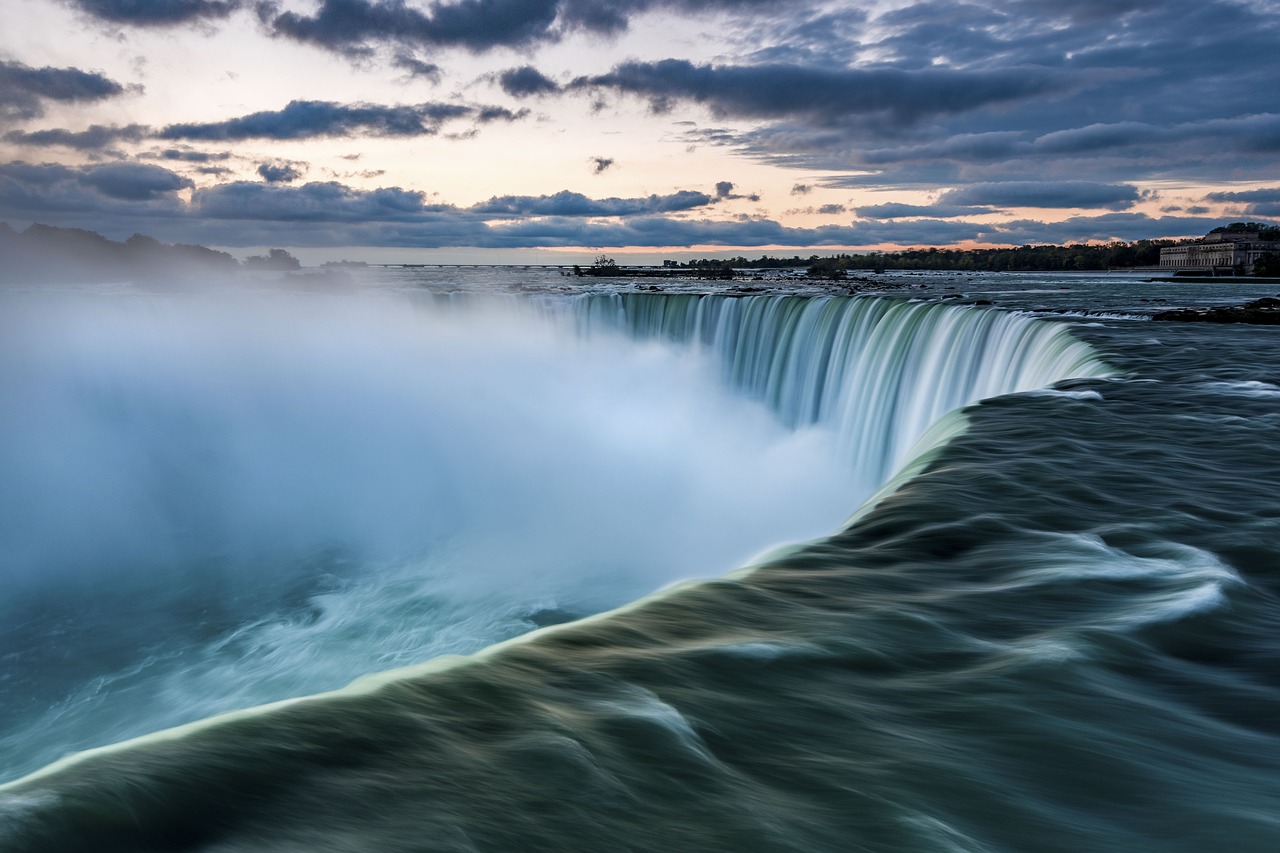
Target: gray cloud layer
x=24, y=89
x=156, y=12
x=566, y=203
x=119, y=199
x=307, y=119
x=352, y=26
x=1011, y=104
x=1043, y=194
x=92, y=138
x=820, y=95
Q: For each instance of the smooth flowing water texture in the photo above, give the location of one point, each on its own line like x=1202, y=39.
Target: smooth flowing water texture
x=214, y=501
x=1060, y=632
x=217, y=503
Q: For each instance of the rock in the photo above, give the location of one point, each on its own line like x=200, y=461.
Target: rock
x=1264, y=315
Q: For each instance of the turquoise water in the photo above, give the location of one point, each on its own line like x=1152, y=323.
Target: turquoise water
x=1059, y=633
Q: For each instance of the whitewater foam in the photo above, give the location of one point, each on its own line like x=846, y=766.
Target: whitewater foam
x=872, y=377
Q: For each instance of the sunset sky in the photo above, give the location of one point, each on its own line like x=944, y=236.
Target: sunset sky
x=547, y=130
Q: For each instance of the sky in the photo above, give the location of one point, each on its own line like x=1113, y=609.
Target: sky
x=547, y=131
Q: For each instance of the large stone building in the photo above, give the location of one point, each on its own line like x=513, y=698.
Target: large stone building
x=1218, y=254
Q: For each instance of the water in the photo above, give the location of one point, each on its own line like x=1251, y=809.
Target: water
x=1057, y=631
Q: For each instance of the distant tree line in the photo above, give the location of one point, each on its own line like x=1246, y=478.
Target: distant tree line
x=1076, y=257
x=45, y=253
x=1080, y=256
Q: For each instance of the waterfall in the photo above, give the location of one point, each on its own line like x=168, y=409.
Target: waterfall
x=262, y=515
x=878, y=371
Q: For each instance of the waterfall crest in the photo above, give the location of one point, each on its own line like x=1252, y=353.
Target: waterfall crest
x=878, y=371
x=452, y=476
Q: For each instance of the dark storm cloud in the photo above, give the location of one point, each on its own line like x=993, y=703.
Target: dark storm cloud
x=156, y=12
x=95, y=137
x=526, y=81
x=279, y=173
x=566, y=203
x=308, y=119
x=1044, y=194
x=24, y=89
x=823, y=95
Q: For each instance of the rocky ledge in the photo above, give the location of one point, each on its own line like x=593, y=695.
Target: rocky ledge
x=1264, y=311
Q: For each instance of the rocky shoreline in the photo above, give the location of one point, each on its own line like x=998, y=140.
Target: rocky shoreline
x=1263, y=312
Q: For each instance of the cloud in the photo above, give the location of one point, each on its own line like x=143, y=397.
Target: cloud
x=309, y=119
x=1257, y=202
x=279, y=173
x=823, y=95
x=526, y=81
x=801, y=189
x=118, y=199
x=832, y=209
x=1043, y=194
x=133, y=181
x=1265, y=194
x=325, y=201
x=24, y=89
x=485, y=115
x=600, y=164
x=348, y=25
x=894, y=210
x=1185, y=108
x=566, y=203
x=1106, y=227
x=96, y=191
x=93, y=138
x=724, y=192
x=187, y=155
x=156, y=12
x=416, y=67
x=352, y=26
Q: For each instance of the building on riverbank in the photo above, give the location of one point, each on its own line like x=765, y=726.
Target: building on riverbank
x=1218, y=254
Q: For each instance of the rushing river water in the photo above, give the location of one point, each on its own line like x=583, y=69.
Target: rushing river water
x=811, y=572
